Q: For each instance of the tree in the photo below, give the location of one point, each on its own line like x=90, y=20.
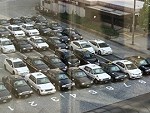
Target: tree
x=144, y=16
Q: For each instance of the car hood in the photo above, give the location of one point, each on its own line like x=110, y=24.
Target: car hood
x=90, y=49
x=18, y=32
x=84, y=80
x=106, y=49
x=42, y=67
x=4, y=93
x=62, y=45
x=26, y=46
x=33, y=30
x=46, y=86
x=23, y=89
x=118, y=74
x=135, y=71
x=103, y=76
x=22, y=70
x=65, y=81
x=60, y=65
x=9, y=47
x=42, y=45
x=46, y=30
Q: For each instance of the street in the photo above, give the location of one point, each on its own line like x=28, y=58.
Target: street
x=76, y=100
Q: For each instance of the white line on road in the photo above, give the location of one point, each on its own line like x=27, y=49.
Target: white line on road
x=10, y=108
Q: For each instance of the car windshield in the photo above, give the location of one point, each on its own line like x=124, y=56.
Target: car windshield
x=20, y=83
x=4, y=21
x=17, y=21
x=88, y=55
x=2, y=29
x=114, y=68
x=103, y=45
x=2, y=87
x=98, y=71
x=61, y=76
x=143, y=62
x=23, y=42
x=44, y=26
x=55, y=25
x=30, y=27
x=16, y=29
x=85, y=45
x=39, y=41
x=59, y=34
x=57, y=41
x=19, y=64
x=43, y=80
x=131, y=66
x=80, y=74
x=6, y=43
x=38, y=62
x=56, y=60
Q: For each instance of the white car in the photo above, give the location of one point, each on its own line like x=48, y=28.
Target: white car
x=38, y=43
x=81, y=44
x=128, y=67
x=100, y=47
x=6, y=45
x=29, y=30
x=16, y=66
x=40, y=83
x=15, y=30
x=96, y=73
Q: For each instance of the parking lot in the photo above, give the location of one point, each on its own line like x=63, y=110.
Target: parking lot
x=76, y=100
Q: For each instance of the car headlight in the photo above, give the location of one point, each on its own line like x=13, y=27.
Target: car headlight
x=75, y=37
x=68, y=38
x=63, y=85
x=66, y=46
x=24, y=48
x=91, y=82
x=20, y=93
x=9, y=96
x=31, y=47
x=31, y=91
x=69, y=63
x=72, y=83
x=83, y=83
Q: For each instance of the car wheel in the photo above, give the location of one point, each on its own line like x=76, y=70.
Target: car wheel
x=38, y=91
x=99, y=52
x=96, y=81
x=5, y=67
x=13, y=73
x=71, y=48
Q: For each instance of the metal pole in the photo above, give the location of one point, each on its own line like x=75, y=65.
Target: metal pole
x=133, y=25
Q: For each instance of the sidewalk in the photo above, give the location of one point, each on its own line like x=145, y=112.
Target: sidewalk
x=140, y=40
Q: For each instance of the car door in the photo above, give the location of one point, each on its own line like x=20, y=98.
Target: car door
x=32, y=81
x=122, y=67
x=9, y=65
x=76, y=45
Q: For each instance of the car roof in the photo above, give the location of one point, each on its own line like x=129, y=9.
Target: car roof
x=36, y=37
x=64, y=50
x=56, y=71
x=14, y=59
x=80, y=41
x=38, y=75
x=28, y=24
x=93, y=66
x=83, y=50
x=4, y=39
x=98, y=41
x=13, y=26
x=124, y=61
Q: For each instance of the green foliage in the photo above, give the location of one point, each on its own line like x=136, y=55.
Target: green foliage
x=144, y=16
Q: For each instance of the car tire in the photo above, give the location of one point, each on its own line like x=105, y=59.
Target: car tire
x=96, y=81
x=38, y=91
x=71, y=48
x=5, y=67
x=99, y=52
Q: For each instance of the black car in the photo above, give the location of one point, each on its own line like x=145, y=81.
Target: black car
x=55, y=43
x=85, y=56
x=4, y=22
x=53, y=62
x=17, y=86
x=63, y=39
x=39, y=19
x=142, y=63
x=43, y=29
x=15, y=21
x=4, y=32
x=22, y=45
x=60, y=79
x=73, y=34
x=55, y=26
x=5, y=95
x=36, y=64
x=27, y=20
x=67, y=57
x=79, y=77
x=114, y=71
